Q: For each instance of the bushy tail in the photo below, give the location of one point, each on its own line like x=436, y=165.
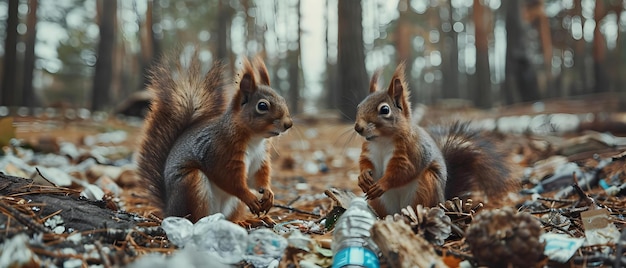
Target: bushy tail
x=475, y=164
x=182, y=97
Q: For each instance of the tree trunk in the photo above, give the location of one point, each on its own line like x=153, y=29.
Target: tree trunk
x=9, y=78
x=251, y=33
x=353, y=78
x=601, y=79
x=546, y=45
x=156, y=38
x=294, y=67
x=482, y=91
x=520, y=76
x=450, y=57
x=402, y=38
x=581, y=81
x=149, y=43
x=402, y=35
x=104, y=64
x=223, y=24
x=332, y=83
x=28, y=95
x=534, y=14
x=618, y=64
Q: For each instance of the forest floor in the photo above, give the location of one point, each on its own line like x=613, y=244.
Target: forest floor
x=44, y=221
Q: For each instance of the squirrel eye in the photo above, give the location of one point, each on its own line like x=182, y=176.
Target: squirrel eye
x=384, y=110
x=262, y=107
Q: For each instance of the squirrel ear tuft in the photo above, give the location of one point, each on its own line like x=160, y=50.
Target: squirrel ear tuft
x=263, y=74
x=374, y=81
x=247, y=83
x=398, y=89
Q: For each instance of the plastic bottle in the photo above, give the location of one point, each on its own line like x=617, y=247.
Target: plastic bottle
x=352, y=242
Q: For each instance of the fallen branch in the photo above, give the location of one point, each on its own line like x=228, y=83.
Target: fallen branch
x=296, y=210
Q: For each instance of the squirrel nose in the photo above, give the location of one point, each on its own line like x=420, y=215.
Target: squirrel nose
x=288, y=123
x=358, y=128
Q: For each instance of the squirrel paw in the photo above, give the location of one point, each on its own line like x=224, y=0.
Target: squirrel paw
x=263, y=221
x=365, y=180
x=258, y=206
x=253, y=203
x=375, y=191
x=267, y=200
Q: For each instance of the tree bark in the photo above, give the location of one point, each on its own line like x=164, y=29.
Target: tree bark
x=9, y=79
x=28, y=95
x=332, y=83
x=601, y=78
x=535, y=14
x=520, y=76
x=149, y=43
x=104, y=65
x=482, y=93
x=353, y=78
x=450, y=58
x=294, y=67
x=617, y=63
x=223, y=24
x=402, y=39
x=581, y=82
x=402, y=35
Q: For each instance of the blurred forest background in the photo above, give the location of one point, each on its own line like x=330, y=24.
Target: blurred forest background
x=94, y=54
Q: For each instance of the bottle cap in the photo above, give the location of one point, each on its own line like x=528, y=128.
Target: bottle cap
x=355, y=256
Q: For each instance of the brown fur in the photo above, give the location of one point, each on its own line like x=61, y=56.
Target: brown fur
x=477, y=167
x=193, y=142
x=176, y=105
x=193, y=183
x=451, y=162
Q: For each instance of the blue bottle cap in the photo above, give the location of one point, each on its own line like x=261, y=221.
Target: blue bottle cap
x=356, y=256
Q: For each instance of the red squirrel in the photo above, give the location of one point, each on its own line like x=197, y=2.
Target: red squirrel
x=204, y=151
x=403, y=164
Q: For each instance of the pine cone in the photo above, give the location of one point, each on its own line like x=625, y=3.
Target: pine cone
x=557, y=219
x=432, y=223
x=461, y=213
x=456, y=204
x=459, y=209
x=503, y=237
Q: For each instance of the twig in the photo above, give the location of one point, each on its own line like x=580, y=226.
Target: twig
x=51, y=215
x=56, y=254
x=294, y=200
x=6, y=231
x=105, y=257
x=297, y=210
x=457, y=230
x=456, y=253
x=556, y=200
x=44, y=189
x=29, y=222
x=560, y=210
x=111, y=234
x=556, y=227
x=582, y=195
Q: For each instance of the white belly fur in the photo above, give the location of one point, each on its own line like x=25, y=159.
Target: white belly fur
x=380, y=152
x=219, y=201
x=255, y=154
x=223, y=202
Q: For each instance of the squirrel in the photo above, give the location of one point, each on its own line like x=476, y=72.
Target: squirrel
x=204, y=151
x=403, y=164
